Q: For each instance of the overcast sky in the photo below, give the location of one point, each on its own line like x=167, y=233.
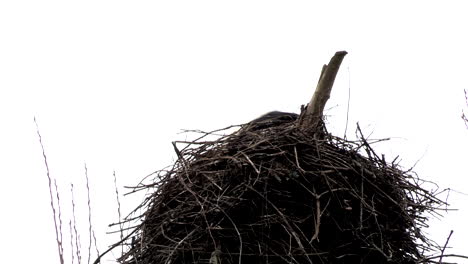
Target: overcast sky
x=112, y=83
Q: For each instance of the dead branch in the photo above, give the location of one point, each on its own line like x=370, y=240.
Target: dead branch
x=314, y=112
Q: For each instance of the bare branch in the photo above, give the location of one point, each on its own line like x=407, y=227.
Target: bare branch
x=314, y=111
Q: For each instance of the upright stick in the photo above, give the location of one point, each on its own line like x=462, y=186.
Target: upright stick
x=314, y=112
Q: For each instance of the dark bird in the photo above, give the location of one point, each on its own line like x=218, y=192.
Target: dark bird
x=276, y=115
x=273, y=118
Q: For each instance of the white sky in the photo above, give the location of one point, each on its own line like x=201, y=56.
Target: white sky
x=111, y=83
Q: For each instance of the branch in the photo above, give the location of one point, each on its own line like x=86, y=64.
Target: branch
x=314, y=111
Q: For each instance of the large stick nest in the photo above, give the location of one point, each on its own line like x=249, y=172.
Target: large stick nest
x=273, y=193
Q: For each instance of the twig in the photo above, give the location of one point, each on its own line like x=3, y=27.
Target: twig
x=317, y=220
x=464, y=117
x=90, y=230
x=59, y=215
x=178, y=244
x=59, y=242
x=445, y=246
x=77, y=236
x=251, y=163
x=118, y=209
x=95, y=244
x=349, y=99
x=71, y=242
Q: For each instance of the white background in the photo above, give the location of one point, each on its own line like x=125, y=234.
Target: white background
x=111, y=83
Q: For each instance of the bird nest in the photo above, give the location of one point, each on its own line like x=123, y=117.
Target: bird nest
x=274, y=193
